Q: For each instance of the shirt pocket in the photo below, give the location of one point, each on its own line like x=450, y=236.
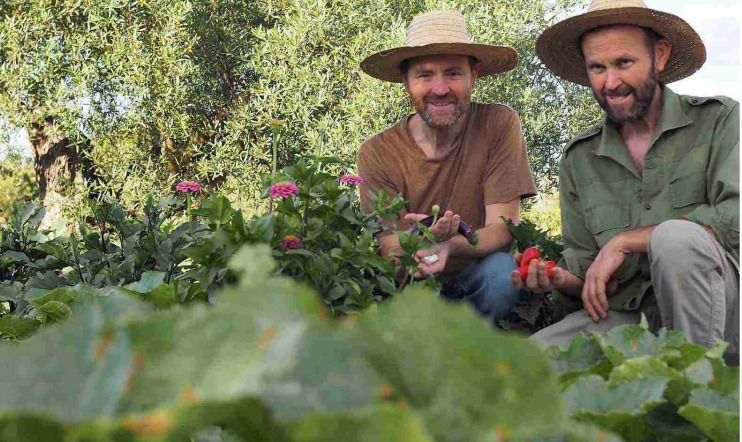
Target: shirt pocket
x=688, y=190
x=606, y=220
x=688, y=180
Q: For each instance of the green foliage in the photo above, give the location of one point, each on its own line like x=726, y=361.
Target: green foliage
x=544, y=213
x=178, y=251
x=149, y=93
x=649, y=388
x=263, y=363
x=17, y=183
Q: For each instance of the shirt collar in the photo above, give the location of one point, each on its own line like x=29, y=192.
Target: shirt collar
x=672, y=117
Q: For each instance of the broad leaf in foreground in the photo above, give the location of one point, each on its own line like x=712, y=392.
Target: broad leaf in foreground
x=467, y=382
x=714, y=413
x=620, y=408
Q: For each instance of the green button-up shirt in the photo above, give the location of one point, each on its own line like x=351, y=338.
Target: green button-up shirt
x=690, y=171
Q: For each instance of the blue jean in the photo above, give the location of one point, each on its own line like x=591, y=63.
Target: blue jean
x=486, y=285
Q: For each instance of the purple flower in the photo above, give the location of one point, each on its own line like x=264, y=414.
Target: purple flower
x=188, y=186
x=353, y=180
x=284, y=189
x=290, y=242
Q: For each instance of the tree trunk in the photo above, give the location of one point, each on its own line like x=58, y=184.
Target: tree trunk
x=56, y=159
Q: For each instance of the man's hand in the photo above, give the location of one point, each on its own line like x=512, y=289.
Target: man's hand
x=444, y=229
x=600, y=280
x=432, y=261
x=538, y=280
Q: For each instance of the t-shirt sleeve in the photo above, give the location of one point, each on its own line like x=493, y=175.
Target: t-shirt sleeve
x=374, y=178
x=508, y=174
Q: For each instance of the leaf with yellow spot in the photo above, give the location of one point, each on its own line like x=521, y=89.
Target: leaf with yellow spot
x=102, y=345
x=156, y=423
x=501, y=433
x=387, y=391
x=502, y=368
x=189, y=397
x=266, y=337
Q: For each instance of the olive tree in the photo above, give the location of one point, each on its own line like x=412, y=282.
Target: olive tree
x=92, y=79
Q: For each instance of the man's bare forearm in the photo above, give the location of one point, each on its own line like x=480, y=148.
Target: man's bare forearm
x=492, y=238
x=572, y=285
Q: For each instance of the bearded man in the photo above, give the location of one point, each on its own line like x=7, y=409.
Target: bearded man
x=468, y=158
x=650, y=196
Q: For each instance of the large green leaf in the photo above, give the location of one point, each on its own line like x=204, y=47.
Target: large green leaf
x=464, y=380
x=665, y=424
x=641, y=368
x=22, y=428
x=714, y=413
x=17, y=327
x=12, y=257
x=146, y=371
x=12, y=292
x=386, y=423
x=149, y=281
x=581, y=356
x=54, y=311
x=619, y=409
x=629, y=341
x=72, y=372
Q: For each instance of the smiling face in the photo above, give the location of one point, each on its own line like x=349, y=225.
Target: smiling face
x=440, y=87
x=623, y=68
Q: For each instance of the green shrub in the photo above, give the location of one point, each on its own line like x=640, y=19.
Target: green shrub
x=17, y=183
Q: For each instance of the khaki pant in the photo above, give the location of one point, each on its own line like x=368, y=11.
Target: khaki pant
x=695, y=286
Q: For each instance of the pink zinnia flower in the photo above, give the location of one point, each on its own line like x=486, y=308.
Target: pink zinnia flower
x=188, y=186
x=284, y=189
x=290, y=242
x=353, y=180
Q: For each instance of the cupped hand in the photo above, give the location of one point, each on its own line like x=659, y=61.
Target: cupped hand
x=537, y=279
x=427, y=269
x=444, y=229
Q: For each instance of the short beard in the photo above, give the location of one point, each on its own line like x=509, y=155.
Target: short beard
x=459, y=111
x=644, y=95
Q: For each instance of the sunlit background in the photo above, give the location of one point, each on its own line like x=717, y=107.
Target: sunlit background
x=718, y=24
x=716, y=21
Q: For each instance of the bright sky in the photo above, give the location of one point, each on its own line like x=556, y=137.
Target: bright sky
x=717, y=22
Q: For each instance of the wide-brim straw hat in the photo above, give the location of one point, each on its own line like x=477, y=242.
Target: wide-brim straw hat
x=559, y=49
x=439, y=33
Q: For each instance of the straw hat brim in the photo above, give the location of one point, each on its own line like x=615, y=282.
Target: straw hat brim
x=385, y=65
x=558, y=46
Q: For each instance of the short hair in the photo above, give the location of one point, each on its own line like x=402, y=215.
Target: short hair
x=651, y=37
x=404, y=66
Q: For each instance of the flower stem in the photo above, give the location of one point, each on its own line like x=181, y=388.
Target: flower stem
x=275, y=153
x=188, y=211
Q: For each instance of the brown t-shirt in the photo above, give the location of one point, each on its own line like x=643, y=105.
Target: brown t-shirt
x=489, y=165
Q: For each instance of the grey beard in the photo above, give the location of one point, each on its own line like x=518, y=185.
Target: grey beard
x=428, y=120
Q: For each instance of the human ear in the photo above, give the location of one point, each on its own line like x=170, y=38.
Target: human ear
x=662, y=50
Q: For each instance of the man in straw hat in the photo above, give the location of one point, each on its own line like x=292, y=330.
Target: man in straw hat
x=468, y=158
x=650, y=196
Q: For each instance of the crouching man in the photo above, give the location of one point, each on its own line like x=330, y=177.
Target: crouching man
x=468, y=158
x=650, y=196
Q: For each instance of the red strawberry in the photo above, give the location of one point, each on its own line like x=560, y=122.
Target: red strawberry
x=550, y=265
x=530, y=254
x=523, y=269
